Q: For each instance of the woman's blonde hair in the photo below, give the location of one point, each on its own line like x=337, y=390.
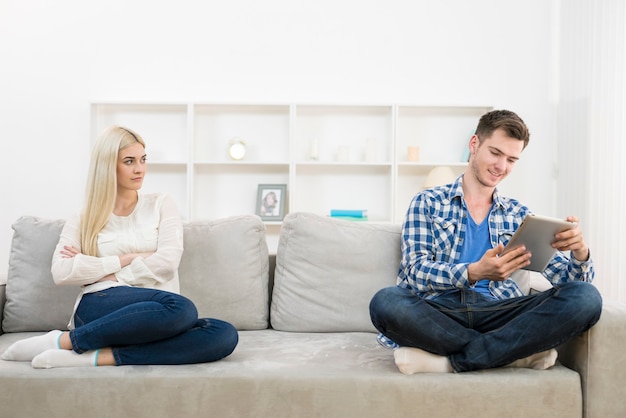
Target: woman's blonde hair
x=102, y=184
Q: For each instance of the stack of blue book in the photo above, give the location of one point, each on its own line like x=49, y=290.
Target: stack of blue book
x=349, y=214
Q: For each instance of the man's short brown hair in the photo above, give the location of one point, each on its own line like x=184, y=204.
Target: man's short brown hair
x=508, y=121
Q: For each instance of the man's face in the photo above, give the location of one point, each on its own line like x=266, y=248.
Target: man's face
x=493, y=158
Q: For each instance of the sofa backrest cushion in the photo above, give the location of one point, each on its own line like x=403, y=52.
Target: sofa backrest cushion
x=224, y=270
x=34, y=302
x=327, y=271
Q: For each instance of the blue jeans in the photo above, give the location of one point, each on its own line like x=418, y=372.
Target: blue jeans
x=476, y=332
x=148, y=326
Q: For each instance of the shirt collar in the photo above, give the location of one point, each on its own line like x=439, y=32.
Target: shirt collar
x=456, y=191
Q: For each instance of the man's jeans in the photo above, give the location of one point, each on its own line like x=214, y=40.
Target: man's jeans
x=148, y=326
x=476, y=332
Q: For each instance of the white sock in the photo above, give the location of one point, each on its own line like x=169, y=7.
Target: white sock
x=414, y=360
x=538, y=361
x=25, y=350
x=65, y=358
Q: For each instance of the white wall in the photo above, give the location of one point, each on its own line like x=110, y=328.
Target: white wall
x=592, y=132
x=57, y=57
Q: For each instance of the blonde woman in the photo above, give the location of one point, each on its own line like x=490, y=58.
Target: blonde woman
x=124, y=251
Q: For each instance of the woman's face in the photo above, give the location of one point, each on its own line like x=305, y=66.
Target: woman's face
x=131, y=167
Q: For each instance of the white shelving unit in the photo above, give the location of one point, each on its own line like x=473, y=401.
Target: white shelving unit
x=329, y=156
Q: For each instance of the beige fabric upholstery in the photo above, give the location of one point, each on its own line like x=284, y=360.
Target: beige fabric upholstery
x=327, y=271
x=600, y=358
x=34, y=302
x=286, y=374
x=339, y=372
x=224, y=270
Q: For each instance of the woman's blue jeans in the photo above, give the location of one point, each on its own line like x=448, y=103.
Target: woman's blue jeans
x=476, y=332
x=149, y=326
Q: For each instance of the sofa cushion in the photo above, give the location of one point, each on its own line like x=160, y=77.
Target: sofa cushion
x=34, y=302
x=327, y=270
x=285, y=375
x=224, y=270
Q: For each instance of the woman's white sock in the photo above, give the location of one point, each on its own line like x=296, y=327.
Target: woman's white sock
x=414, y=360
x=27, y=349
x=65, y=358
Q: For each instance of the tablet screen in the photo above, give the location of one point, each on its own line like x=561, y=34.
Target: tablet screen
x=536, y=233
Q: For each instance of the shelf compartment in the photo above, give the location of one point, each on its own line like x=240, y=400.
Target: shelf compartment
x=420, y=167
x=441, y=133
x=264, y=129
x=319, y=189
x=343, y=133
x=162, y=126
x=222, y=190
x=247, y=164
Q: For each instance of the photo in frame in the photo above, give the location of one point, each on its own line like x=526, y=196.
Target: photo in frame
x=271, y=201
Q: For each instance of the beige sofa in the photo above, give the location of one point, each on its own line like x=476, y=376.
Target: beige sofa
x=307, y=347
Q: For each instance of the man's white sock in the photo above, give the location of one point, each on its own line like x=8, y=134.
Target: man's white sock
x=65, y=358
x=414, y=360
x=27, y=349
x=538, y=361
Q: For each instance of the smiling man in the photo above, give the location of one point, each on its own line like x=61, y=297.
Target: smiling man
x=455, y=307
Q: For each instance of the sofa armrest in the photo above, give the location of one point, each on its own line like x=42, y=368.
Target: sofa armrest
x=599, y=357
x=3, y=301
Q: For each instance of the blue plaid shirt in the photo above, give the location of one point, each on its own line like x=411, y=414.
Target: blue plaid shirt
x=433, y=234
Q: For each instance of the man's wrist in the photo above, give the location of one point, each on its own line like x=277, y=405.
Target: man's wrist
x=471, y=274
x=584, y=258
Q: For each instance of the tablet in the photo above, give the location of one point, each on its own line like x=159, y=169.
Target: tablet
x=536, y=233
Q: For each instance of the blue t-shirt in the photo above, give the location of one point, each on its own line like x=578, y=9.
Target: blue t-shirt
x=476, y=244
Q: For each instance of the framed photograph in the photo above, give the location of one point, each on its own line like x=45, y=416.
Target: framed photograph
x=270, y=201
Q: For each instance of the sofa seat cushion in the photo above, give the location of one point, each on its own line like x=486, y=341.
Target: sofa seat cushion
x=327, y=271
x=286, y=374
